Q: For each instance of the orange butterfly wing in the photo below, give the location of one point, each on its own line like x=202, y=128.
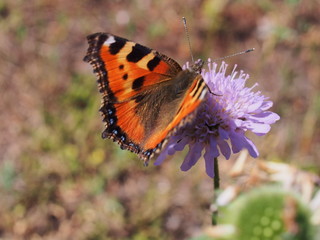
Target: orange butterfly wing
x=145, y=94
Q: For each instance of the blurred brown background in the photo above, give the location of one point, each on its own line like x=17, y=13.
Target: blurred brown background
x=60, y=180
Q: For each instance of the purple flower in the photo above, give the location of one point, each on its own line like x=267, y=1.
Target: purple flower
x=221, y=121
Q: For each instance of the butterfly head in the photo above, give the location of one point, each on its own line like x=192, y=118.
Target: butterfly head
x=197, y=66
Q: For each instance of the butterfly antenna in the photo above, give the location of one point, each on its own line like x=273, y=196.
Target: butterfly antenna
x=184, y=20
x=235, y=54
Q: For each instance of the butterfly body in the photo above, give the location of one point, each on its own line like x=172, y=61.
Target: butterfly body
x=146, y=95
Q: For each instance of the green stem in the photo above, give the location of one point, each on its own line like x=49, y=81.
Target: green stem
x=216, y=179
x=216, y=186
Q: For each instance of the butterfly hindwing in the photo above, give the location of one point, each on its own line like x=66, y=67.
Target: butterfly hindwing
x=175, y=102
x=145, y=94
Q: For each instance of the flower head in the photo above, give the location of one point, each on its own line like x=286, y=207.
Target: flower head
x=221, y=121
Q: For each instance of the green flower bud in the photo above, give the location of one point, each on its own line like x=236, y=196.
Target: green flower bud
x=268, y=213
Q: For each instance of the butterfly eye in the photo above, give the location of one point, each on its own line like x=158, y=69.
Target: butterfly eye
x=197, y=66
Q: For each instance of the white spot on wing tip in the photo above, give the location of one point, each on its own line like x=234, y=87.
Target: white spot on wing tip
x=109, y=41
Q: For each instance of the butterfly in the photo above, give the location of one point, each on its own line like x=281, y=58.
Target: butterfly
x=146, y=96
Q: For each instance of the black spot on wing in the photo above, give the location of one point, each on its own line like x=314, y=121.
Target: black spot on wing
x=137, y=53
x=125, y=76
x=137, y=83
x=121, y=67
x=115, y=47
x=153, y=63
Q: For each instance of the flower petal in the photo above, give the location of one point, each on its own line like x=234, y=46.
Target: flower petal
x=252, y=149
x=259, y=129
x=236, y=142
x=253, y=107
x=265, y=117
x=266, y=105
x=192, y=157
x=209, y=155
x=224, y=148
x=167, y=150
x=162, y=156
x=181, y=143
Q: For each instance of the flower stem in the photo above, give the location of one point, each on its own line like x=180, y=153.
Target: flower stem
x=216, y=179
x=216, y=186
